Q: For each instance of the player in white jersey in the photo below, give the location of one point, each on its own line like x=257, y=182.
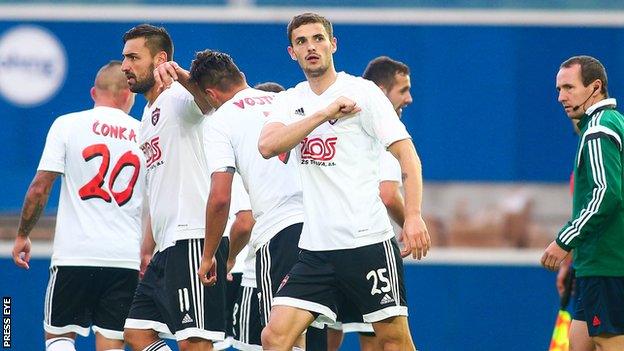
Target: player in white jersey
x=273, y=185
x=338, y=121
x=393, y=78
x=170, y=297
x=95, y=259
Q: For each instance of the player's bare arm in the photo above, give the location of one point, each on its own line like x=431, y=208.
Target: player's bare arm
x=34, y=203
x=393, y=200
x=240, y=233
x=168, y=72
x=217, y=210
x=415, y=236
x=277, y=138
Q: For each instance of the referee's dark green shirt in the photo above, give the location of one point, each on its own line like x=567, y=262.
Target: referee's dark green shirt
x=596, y=228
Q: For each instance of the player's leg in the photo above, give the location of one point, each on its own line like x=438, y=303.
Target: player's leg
x=316, y=339
x=607, y=342
x=579, y=337
x=67, y=306
x=286, y=325
x=372, y=279
x=334, y=338
x=146, y=321
x=197, y=312
x=369, y=342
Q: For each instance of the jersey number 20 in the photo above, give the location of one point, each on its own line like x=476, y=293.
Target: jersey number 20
x=93, y=189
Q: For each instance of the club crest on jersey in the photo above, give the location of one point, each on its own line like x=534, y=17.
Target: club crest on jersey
x=284, y=157
x=155, y=116
x=333, y=121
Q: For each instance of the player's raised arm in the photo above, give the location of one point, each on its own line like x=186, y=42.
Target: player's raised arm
x=34, y=203
x=415, y=235
x=277, y=137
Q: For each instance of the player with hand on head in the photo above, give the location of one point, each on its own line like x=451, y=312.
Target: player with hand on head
x=95, y=260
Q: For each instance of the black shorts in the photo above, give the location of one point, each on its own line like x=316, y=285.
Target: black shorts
x=246, y=315
x=78, y=297
x=370, y=276
x=172, y=300
x=232, y=290
x=349, y=319
x=273, y=261
x=600, y=303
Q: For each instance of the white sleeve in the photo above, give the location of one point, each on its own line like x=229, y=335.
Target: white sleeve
x=53, y=157
x=380, y=119
x=280, y=111
x=218, y=145
x=389, y=168
x=240, y=198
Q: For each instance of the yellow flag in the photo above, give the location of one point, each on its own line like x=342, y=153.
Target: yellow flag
x=560, y=339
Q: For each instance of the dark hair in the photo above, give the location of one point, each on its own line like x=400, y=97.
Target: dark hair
x=307, y=18
x=270, y=87
x=382, y=70
x=156, y=39
x=591, y=69
x=215, y=69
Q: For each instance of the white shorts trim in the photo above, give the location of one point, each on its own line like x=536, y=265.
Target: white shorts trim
x=108, y=333
x=326, y=316
x=391, y=311
x=223, y=345
x=72, y=328
x=160, y=328
x=357, y=328
x=199, y=333
x=245, y=347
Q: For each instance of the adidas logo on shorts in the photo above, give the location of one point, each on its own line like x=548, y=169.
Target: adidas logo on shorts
x=386, y=299
x=300, y=111
x=187, y=319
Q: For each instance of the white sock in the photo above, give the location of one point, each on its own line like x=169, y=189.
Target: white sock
x=297, y=349
x=60, y=344
x=157, y=346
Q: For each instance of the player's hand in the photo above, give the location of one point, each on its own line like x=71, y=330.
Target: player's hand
x=21, y=251
x=168, y=72
x=208, y=271
x=553, y=255
x=342, y=107
x=415, y=237
x=145, y=260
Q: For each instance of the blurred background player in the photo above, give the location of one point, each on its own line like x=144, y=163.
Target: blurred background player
x=95, y=260
x=338, y=147
x=172, y=136
x=393, y=78
x=597, y=222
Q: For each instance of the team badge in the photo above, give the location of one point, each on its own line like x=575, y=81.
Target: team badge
x=155, y=116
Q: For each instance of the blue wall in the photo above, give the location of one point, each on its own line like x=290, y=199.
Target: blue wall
x=484, y=100
x=452, y=307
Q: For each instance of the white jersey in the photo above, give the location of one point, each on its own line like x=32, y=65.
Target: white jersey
x=172, y=133
x=339, y=163
x=274, y=185
x=389, y=167
x=99, y=215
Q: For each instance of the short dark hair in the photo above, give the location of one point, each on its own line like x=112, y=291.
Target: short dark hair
x=215, y=69
x=381, y=71
x=270, y=87
x=307, y=18
x=591, y=69
x=156, y=39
